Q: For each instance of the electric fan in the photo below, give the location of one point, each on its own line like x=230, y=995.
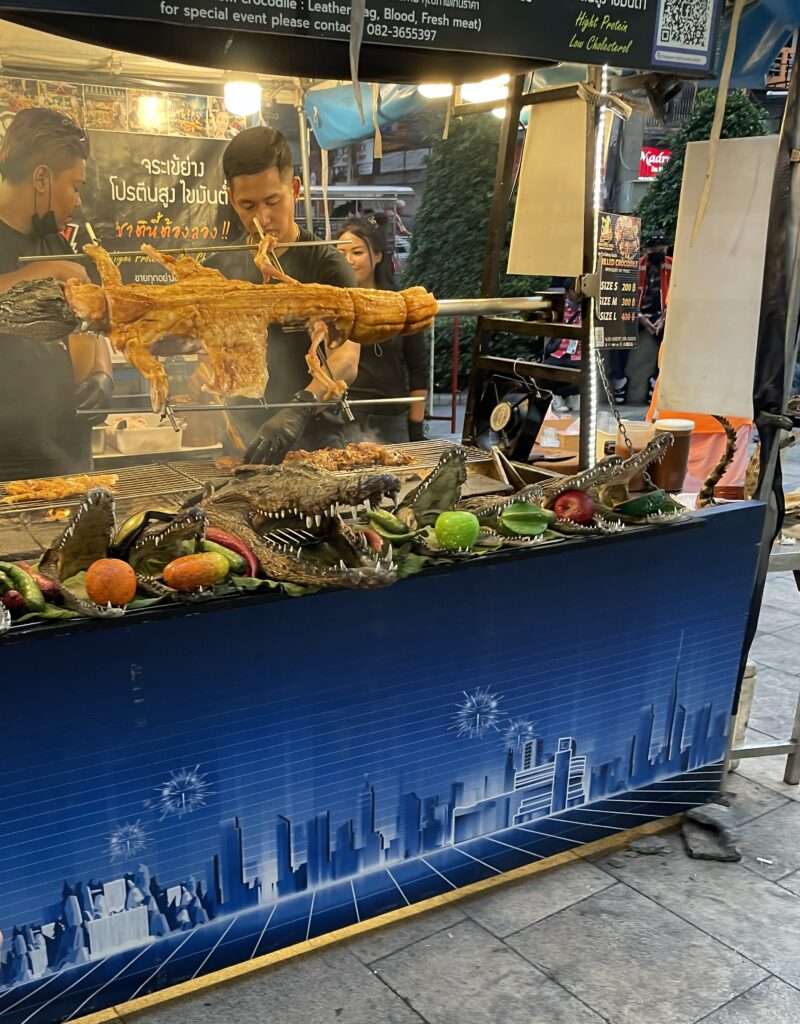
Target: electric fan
x=509, y=415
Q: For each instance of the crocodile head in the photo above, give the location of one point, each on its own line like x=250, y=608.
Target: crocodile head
x=154, y=547
x=439, y=492
x=292, y=518
x=307, y=495
x=614, y=489
x=86, y=539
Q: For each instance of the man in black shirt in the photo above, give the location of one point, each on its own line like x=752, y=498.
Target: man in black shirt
x=262, y=187
x=43, y=167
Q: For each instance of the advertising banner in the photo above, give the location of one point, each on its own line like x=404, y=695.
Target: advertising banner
x=625, y=33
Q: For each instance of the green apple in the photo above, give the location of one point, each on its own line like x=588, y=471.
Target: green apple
x=457, y=530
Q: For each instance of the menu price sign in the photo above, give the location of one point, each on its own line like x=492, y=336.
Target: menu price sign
x=623, y=33
x=616, y=309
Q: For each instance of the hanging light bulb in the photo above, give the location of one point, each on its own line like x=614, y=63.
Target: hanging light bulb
x=242, y=95
x=435, y=90
x=484, y=92
x=150, y=111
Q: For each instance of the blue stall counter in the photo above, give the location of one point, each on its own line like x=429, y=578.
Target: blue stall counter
x=184, y=792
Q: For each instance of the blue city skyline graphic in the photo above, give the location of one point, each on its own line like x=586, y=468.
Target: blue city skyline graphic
x=180, y=795
x=95, y=919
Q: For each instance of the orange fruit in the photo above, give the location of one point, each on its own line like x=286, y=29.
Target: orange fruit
x=111, y=581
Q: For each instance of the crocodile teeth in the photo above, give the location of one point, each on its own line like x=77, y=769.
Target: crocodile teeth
x=318, y=520
x=309, y=521
x=390, y=553
x=342, y=565
x=367, y=505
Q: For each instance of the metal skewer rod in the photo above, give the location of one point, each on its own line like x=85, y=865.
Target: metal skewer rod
x=254, y=405
x=182, y=252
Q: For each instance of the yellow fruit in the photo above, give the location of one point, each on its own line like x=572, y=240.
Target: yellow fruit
x=191, y=572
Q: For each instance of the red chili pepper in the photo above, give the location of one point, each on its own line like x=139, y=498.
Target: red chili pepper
x=50, y=589
x=374, y=539
x=234, y=543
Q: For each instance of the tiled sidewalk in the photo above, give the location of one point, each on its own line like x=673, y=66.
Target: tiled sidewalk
x=622, y=938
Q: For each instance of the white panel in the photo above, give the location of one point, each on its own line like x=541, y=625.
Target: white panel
x=709, y=353
x=547, y=236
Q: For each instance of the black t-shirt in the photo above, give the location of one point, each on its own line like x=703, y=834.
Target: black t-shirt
x=391, y=370
x=40, y=433
x=286, y=350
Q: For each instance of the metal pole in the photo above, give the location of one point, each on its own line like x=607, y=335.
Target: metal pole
x=432, y=370
x=454, y=376
x=588, y=413
x=304, y=163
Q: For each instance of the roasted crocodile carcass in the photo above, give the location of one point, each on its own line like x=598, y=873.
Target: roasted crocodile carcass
x=231, y=318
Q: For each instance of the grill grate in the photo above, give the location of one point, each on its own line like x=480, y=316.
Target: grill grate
x=425, y=454
x=153, y=480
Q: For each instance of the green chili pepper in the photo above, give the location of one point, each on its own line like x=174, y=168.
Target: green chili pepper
x=26, y=585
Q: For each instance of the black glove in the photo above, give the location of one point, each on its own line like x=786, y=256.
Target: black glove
x=94, y=393
x=277, y=435
x=416, y=430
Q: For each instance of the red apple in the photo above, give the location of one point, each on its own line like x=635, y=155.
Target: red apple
x=575, y=506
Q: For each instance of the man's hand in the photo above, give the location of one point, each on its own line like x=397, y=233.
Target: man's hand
x=94, y=393
x=416, y=430
x=61, y=270
x=277, y=435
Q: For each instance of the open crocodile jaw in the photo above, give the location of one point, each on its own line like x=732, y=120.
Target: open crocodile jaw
x=86, y=539
x=439, y=492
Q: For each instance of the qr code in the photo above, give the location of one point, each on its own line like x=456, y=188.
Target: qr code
x=686, y=24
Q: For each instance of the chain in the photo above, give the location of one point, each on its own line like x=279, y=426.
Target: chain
x=615, y=411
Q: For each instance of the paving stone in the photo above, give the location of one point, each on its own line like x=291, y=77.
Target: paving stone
x=511, y=907
x=792, y=883
x=767, y=771
x=771, y=1002
x=747, y=799
x=649, y=846
x=703, y=843
x=329, y=987
x=392, y=937
x=773, y=837
x=777, y=650
x=773, y=619
x=644, y=950
x=775, y=702
x=740, y=908
x=468, y=976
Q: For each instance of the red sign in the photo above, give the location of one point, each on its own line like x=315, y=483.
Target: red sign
x=652, y=162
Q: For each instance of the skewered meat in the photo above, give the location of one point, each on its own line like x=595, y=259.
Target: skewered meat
x=55, y=488
x=365, y=453
x=231, y=319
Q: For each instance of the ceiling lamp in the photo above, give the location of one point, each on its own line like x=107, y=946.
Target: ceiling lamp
x=435, y=90
x=150, y=111
x=242, y=95
x=485, y=92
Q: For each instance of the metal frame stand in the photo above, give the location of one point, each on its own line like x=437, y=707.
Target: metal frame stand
x=547, y=326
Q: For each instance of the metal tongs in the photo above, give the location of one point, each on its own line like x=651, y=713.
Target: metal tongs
x=343, y=402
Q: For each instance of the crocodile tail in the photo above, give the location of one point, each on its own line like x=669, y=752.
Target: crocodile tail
x=706, y=495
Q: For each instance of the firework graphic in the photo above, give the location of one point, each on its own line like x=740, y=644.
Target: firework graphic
x=183, y=792
x=518, y=731
x=127, y=840
x=477, y=714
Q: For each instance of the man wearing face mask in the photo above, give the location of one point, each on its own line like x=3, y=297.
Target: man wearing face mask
x=640, y=365
x=43, y=167
x=262, y=187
